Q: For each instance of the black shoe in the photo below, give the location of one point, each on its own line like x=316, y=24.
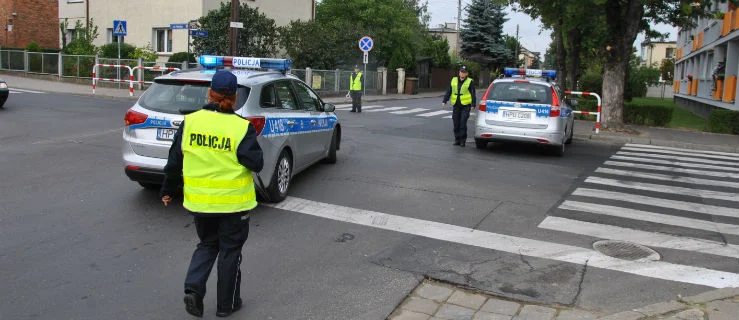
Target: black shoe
x=353, y=111
x=360, y=111
x=456, y=142
x=461, y=143
x=194, y=304
x=237, y=306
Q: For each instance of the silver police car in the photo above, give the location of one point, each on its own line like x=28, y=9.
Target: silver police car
x=295, y=127
x=527, y=108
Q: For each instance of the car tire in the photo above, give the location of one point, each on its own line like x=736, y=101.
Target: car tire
x=572, y=133
x=331, y=157
x=481, y=144
x=281, y=178
x=150, y=186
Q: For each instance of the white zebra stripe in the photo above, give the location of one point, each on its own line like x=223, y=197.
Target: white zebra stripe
x=665, y=189
x=664, y=177
x=673, y=169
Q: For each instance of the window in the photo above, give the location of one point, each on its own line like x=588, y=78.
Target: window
x=285, y=95
x=111, y=38
x=308, y=99
x=670, y=53
x=172, y=96
x=163, y=40
x=268, y=98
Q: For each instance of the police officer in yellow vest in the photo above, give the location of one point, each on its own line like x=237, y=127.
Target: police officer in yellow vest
x=356, y=84
x=463, y=97
x=214, y=154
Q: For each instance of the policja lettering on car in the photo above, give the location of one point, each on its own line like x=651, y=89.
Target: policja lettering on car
x=211, y=141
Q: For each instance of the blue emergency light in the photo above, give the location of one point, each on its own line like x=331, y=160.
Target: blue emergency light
x=530, y=72
x=246, y=62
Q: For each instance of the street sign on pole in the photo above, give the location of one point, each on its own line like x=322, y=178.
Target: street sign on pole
x=119, y=28
x=178, y=26
x=238, y=25
x=198, y=33
x=365, y=58
x=365, y=44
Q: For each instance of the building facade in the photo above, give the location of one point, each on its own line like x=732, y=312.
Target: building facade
x=653, y=52
x=148, y=22
x=24, y=21
x=450, y=32
x=707, y=63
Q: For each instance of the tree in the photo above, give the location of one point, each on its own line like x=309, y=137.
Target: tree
x=63, y=26
x=258, y=38
x=512, y=44
x=82, y=44
x=437, y=47
x=482, y=36
x=310, y=44
x=667, y=69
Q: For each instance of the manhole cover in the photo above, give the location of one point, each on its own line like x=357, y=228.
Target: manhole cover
x=625, y=250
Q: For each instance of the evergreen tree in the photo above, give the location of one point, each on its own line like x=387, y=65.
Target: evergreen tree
x=482, y=36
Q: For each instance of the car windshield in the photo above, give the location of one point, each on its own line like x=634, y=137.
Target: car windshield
x=521, y=92
x=177, y=96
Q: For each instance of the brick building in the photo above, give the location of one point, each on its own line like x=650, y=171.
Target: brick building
x=23, y=21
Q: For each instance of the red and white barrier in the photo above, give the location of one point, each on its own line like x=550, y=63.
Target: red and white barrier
x=154, y=68
x=597, y=114
x=112, y=66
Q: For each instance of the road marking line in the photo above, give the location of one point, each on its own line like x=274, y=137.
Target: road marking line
x=673, y=169
x=676, y=163
x=736, y=157
x=24, y=90
x=386, y=109
x=665, y=189
x=680, y=149
x=516, y=245
x=434, y=113
x=363, y=108
x=650, y=217
x=652, y=239
x=409, y=111
x=664, y=177
x=343, y=105
x=448, y=117
x=658, y=202
x=660, y=156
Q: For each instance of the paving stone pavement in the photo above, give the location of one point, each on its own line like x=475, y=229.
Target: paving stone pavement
x=433, y=300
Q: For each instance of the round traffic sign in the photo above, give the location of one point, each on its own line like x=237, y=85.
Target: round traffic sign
x=365, y=44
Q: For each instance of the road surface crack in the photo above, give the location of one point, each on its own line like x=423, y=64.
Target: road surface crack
x=488, y=215
x=579, y=285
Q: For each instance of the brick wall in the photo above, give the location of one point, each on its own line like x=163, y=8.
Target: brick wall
x=36, y=20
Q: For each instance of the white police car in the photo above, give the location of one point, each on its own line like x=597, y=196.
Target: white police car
x=525, y=107
x=295, y=127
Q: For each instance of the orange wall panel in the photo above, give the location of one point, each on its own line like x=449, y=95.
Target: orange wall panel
x=730, y=89
x=718, y=94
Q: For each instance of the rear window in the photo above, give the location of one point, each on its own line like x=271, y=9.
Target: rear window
x=521, y=92
x=175, y=96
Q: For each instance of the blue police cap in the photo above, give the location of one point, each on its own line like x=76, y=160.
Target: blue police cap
x=224, y=82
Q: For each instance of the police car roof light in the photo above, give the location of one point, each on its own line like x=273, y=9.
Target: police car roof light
x=530, y=72
x=245, y=62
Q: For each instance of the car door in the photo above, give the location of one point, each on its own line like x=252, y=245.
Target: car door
x=286, y=121
x=321, y=129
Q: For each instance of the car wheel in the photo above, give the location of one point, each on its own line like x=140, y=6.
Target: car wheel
x=331, y=157
x=280, y=183
x=150, y=186
x=572, y=132
x=481, y=144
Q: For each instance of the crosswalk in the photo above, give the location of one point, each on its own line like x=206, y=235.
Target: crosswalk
x=16, y=91
x=659, y=197
x=409, y=111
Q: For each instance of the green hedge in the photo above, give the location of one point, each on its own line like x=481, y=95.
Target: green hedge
x=584, y=104
x=724, y=121
x=650, y=115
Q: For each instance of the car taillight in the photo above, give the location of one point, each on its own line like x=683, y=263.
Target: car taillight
x=133, y=117
x=555, y=110
x=483, y=102
x=258, y=123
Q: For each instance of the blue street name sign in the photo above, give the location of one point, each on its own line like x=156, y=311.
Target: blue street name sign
x=198, y=33
x=178, y=26
x=119, y=28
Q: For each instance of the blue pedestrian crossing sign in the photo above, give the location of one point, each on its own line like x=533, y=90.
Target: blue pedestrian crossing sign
x=365, y=44
x=119, y=28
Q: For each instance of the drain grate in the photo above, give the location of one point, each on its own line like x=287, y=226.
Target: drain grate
x=625, y=250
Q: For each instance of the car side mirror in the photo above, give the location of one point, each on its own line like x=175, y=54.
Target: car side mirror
x=574, y=103
x=327, y=107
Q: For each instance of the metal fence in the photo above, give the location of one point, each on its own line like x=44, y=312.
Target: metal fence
x=336, y=81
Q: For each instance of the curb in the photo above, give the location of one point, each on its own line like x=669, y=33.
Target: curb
x=656, y=142
x=679, y=304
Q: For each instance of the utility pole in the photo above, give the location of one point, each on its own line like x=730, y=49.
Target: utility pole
x=515, y=57
x=87, y=15
x=459, y=29
x=234, y=40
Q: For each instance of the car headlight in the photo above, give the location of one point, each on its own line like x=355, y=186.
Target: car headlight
x=3, y=85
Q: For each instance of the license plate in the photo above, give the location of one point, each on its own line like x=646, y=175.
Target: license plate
x=166, y=134
x=516, y=115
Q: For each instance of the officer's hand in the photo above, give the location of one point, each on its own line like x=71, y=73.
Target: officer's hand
x=166, y=200
x=443, y=104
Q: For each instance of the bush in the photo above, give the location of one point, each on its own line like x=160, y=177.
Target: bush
x=591, y=82
x=110, y=50
x=181, y=57
x=650, y=115
x=724, y=121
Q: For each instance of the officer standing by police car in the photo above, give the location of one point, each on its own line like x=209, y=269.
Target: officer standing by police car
x=356, y=84
x=463, y=97
x=213, y=154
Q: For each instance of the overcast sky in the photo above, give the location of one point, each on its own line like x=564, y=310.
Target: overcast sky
x=530, y=34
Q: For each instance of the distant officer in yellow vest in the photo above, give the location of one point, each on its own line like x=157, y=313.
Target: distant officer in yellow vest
x=356, y=84
x=462, y=93
x=213, y=154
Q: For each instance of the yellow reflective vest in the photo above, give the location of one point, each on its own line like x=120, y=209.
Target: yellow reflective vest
x=214, y=180
x=355, y=83
x=465, y=94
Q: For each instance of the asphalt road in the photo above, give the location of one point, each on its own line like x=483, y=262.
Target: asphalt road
x=78, y=240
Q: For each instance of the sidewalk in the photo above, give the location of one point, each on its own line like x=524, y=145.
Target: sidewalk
x=435, y=301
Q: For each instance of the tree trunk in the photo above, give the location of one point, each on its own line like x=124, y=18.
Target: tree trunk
x=561, y=53
x=574, y=40
x=622, y=18
x=484, y=77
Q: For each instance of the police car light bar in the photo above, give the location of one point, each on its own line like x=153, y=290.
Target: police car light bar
x=530, y=72
x=245, y=62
